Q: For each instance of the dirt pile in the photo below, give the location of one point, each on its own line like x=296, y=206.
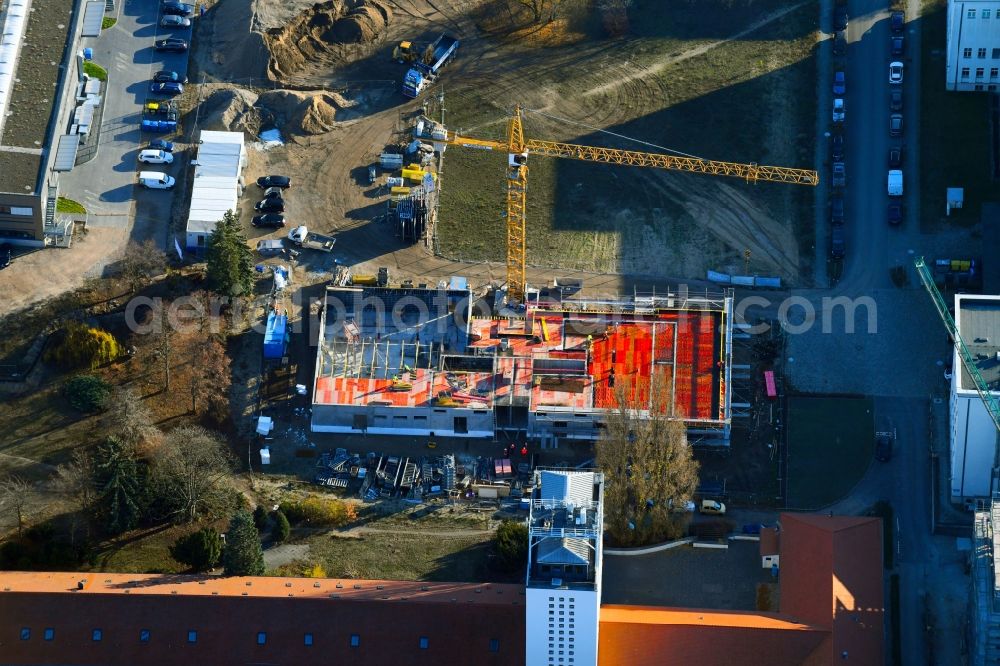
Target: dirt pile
x=230, y=109
x=305, y=113
x=316, y=32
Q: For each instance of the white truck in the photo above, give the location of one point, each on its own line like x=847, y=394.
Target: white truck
x=895, y=183
x=302, y=237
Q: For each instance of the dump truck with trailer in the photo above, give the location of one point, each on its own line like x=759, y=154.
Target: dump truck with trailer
x=302, y=237
x=426, y=70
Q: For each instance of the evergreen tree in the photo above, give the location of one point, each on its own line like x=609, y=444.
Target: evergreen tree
x=260, y=518
x=281, y=527
x=243, y=555
x=120, y=483
x=200, y=550
x=230, y=261
x=511, y=543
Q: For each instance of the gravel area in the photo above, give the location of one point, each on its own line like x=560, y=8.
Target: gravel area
x=899, y=357
x=18, y=172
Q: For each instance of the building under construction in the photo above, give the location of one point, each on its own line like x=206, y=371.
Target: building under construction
x=419, y=362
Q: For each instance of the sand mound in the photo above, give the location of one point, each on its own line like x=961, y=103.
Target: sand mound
x=230, y=109
x=305, y=113
x=315, y=32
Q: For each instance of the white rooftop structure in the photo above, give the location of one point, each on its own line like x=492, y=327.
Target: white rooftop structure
x=15, y=22
x=217, y=183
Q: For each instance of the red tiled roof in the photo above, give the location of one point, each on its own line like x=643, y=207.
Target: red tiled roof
x=641, y=636
x=831, y=576
x=389, y=622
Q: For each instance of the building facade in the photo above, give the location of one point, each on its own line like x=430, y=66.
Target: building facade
x=973, y=45
x=973, y=435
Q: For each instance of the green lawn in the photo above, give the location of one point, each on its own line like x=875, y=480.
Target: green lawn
x=67, y=205
x=830, y=443
x=954, y=134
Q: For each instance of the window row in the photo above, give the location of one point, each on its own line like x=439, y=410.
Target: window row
x=96, y=635
x=981, y=53
x=983, y=13
x=980, y=72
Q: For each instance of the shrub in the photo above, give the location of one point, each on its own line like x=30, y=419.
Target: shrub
x=281, y=527
x=314, y=571
x=199, y=550
x=81, y=346
x=260, y=518
x=319, y=512
x=87, y=393
x=511, y=544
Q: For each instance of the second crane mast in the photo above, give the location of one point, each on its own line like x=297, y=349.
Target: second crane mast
x=518, y=148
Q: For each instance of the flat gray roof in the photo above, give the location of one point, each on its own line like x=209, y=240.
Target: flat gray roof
x=978, y=321
x=19, y=171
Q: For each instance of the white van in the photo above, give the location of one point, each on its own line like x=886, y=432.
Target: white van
x=156, y=180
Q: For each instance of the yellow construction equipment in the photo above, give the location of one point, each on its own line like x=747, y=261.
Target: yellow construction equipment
x=405, y=52
x=518, y=148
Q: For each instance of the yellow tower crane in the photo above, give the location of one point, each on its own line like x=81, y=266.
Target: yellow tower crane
x=518, y=148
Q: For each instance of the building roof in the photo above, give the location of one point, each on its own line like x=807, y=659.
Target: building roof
x=485, y=623
x=216, y=180
x=831, y=576
x=641, y=636
x=978, y=321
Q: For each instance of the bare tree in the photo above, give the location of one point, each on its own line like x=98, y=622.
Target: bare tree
x=75, y=480
x=210, y=377
x=142, y=261
x=541, y=10
x=130, y=421
x=190, y=469
x=651, y=475
x=163, y=343
x=14, y=493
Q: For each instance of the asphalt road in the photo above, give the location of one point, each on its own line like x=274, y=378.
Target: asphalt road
x=106, y=185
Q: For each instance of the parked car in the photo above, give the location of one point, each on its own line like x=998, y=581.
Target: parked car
x=896, y=157
x=713, y=507
x=177, y=8
x=160, y=108
x=895, y=72
x=168, y=76
x=162, y=144
x=883, y=447
x=840, y=18
x=837, y=147
x=273, y=220
x=372, y=175
x=171, y=44
x=896, y=100
x=896, y=20
x=837, y=244
x=155, y=157
x=839, y=174
x=838, y=109
x=159, y=126
x=839, y=43
x=897, y=45
x=273, y=193
x=265, y=182
x=174, y=21
x=166, y=88
x=156, y=180
x=896, y=213
x=686, y=507
x=837, y=209
x=839, y=83
x=896, y=124
x=270, y=205
x=753, y=528
x=6, y=255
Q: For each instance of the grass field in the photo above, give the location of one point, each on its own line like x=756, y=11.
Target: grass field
x=605, y=218
x=830, y=444
x=954, y=134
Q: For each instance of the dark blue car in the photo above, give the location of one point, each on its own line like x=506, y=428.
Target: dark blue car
x=162, y=144
x=839, y=83
x=167, y=88
x=159, y=126
x=177, y=8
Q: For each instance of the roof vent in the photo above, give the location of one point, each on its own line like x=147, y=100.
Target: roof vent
x=81, y=583
x=315, y=584
x=288, y=584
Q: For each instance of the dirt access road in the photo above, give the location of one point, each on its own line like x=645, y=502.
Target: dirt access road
x=672, y=225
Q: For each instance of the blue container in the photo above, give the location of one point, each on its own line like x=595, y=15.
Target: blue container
x=88, y=53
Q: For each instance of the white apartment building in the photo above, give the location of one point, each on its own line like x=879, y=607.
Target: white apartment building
x=973, y=433
x=973, y=46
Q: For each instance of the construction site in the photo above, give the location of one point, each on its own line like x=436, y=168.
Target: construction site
x=420, y=362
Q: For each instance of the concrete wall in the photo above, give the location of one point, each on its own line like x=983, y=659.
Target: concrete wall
x=416, y=421
x=561, y=623
x=972, y=33
x=973, y=446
